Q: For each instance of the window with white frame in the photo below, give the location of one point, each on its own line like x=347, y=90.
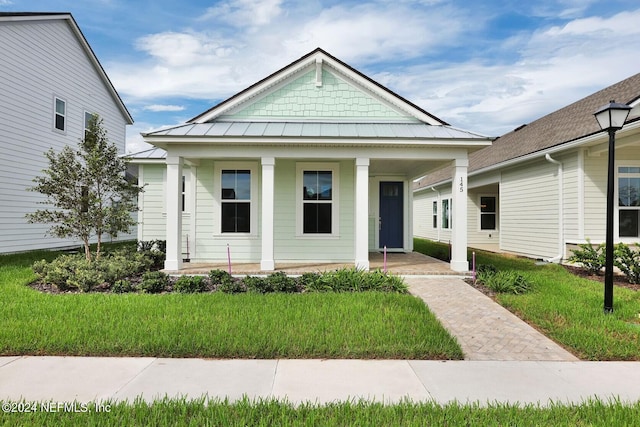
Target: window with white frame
x=488, y=213
x=59, y=114
x=235, y=201
x=87, y=121
x=317, y=199
x=628, y=201
x=435, y=214
x=446, y=213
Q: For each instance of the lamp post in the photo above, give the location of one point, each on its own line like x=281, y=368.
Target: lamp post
x=611, y=117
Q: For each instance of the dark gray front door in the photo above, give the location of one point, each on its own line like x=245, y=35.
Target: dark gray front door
x=391, y=215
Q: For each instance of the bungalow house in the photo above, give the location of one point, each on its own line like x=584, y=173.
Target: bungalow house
x=51, y=83
x=541, y=189
x=313, y=163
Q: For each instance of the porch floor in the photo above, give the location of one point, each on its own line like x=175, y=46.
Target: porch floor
x=412, y=263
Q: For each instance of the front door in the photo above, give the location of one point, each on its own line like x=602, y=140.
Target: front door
x=391, y=215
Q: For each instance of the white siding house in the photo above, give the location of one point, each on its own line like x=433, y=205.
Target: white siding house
x=314, y=163
x=49, y=80
x=542, y=187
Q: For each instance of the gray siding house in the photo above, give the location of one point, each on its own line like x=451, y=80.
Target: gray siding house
x=541, y=189
x=51, y=82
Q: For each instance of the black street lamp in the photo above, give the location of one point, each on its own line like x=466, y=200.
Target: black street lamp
x=611, y=118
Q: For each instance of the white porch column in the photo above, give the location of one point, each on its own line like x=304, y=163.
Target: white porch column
x=459, y=260
x=173, y=199
x=362, y=214
x=267, y=262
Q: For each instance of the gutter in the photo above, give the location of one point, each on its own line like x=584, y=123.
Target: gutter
x=561, y=246
x=629, y=126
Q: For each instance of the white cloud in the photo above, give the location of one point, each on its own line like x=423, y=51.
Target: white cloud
x=245, y=13
x=397, y=44
x=159, y=108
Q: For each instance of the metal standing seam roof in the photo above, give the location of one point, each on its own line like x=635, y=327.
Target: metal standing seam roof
x=317, y=129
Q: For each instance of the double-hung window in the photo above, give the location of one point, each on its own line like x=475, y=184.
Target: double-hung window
x=628, y=201
x=446, y=213
x=317, y=199
x=59, y=114
x=435, y=214
x=235, y=201
x=488, y=213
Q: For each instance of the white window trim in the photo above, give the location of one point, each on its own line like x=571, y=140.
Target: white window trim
x=218, y=167
x=55, y=114
x=334, y=168
x=616, y=206
x=480, y=229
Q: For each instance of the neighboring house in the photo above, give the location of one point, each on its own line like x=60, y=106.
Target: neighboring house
x=541, y=189
x=313, y=163
x=50, y=84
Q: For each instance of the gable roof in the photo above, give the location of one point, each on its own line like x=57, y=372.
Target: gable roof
x=566, y=125
x=306, y=62
x=67, y=17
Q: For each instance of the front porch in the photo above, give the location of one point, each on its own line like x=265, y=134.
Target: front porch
x=411, y=263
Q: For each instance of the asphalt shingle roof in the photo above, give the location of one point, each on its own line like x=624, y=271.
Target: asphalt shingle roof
x=562, y=126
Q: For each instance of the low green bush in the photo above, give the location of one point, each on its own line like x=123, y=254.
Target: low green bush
x=354, y=280
x=314, y=282
x=280, y=282
x=628, y=261
x=256, y=284
x=506, y=282
x=190, y=284
x=122, y=286
x=591, y=257
x=154, y=282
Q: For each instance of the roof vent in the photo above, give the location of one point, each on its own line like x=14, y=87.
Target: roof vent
x=519, y=127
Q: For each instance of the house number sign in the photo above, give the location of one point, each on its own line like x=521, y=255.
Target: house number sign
x=461, y=186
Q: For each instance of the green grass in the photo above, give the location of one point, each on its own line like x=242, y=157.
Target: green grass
x=567, y=308
x=217, y=325
x=201, y=412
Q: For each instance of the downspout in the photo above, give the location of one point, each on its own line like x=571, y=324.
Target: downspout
x=437, y=207
x=560, y=255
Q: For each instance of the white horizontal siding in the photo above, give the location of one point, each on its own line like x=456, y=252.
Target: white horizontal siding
x=529, y=209
x=41, y=60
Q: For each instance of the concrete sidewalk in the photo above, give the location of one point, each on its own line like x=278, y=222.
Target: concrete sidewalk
x=94, y=379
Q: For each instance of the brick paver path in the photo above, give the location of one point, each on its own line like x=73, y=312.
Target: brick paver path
x=484, y=329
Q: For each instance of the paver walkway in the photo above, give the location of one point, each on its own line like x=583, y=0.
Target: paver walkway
x=485, y=330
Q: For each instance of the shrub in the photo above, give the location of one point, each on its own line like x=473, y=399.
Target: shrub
x=280, y=282
x=354, y=280
x=218, y=276
x=154, y=282
x=154, y=250
x=314, y=282
x=628, y=261
x=121, y=287
x=509, y=282
x=590, y=257
x=190, y=284
x=231, y=286
x=256, y=284
x=71, y=272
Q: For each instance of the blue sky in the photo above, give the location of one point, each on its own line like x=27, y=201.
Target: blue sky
x=485, y=66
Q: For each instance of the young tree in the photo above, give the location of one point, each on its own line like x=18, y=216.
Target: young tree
x=88, y=190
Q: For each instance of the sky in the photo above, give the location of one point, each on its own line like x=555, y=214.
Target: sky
x=484, y=66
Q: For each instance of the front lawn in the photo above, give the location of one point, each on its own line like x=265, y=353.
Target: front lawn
x=567, y=308
x=216, y=325
x=200, y=412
